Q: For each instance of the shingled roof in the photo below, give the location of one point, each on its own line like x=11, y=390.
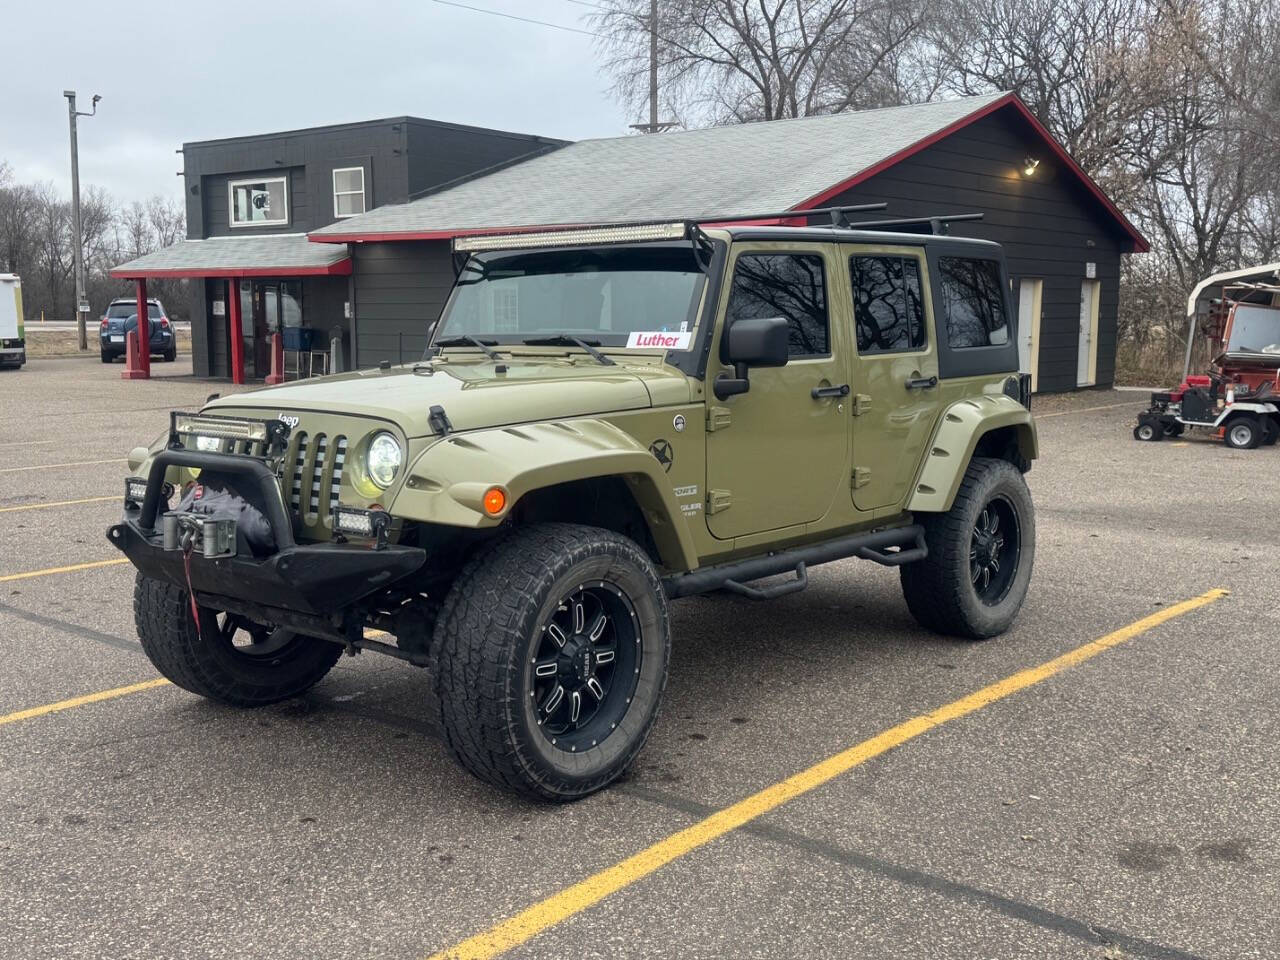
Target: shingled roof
x=772, y=166
x=288, y=255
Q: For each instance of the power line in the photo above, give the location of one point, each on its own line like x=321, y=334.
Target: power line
x=512, y=16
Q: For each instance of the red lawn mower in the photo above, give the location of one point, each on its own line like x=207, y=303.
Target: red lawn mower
x=1240, y=398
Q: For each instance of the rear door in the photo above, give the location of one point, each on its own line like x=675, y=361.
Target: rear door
x=780, y=456
x=895, y=384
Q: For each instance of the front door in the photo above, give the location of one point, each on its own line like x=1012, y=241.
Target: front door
x=895, y=384
x=783, y=456
x=1030, y=295
x=1087, y=354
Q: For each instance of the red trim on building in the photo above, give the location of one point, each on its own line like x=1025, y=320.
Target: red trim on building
x=1140, y=243
x=340, y=268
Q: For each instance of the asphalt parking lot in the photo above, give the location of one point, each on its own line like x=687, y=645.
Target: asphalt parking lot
x=1123, y=804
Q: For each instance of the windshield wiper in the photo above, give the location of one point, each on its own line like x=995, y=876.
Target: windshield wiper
x=464, y=340
x=564, y=340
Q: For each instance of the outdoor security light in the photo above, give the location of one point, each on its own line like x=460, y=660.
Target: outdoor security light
x=1029, y=166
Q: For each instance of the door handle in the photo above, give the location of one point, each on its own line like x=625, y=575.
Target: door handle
x=921, y=383
x=819, y=392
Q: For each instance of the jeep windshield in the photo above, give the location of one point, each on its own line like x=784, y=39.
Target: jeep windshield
x=601, y=296
x=1255, y=329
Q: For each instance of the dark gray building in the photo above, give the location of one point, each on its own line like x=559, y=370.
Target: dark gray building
x=1062, y=235
x=251, y=201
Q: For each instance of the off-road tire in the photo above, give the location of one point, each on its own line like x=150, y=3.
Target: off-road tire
x=1242, y=432
x=939, y=590
x=201, y=664
x=488, y=635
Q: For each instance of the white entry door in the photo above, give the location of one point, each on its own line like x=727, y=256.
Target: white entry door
x=1029, y=299
x=1087, y=357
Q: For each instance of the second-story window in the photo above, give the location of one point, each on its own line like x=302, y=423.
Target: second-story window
x=259, y=203
x=348, y=191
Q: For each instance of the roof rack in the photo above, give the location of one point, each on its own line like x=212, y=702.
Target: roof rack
x=638, y=231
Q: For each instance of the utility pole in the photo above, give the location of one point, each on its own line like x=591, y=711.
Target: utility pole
x=653, y=126
x=82, y=304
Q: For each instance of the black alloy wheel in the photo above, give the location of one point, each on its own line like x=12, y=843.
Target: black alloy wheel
x=584, y=671
x=995, y=550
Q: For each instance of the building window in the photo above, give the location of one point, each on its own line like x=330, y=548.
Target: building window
x=259, y=203
x=888, y=307
x=348, y=191
x=973, y=302
x=790, y=285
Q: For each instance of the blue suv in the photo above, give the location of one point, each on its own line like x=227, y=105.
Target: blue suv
x=121, y=319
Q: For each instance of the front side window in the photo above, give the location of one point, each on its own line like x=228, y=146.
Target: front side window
x=257, y=203
x=348, y=191
x=600, y=295
x=789, y=285
x=888, y=308
x=972, y=303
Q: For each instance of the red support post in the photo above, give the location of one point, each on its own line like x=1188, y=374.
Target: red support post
x=277, y=360
x=237, y=335
x=137, y=351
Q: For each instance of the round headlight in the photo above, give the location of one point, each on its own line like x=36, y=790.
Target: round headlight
x=385, y=457
x=208, y=444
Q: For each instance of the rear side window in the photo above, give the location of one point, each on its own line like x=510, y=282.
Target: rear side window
x=888, y=308
x=790, y=285
x=972, y=303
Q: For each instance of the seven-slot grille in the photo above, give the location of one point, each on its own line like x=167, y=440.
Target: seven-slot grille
x=316, y=475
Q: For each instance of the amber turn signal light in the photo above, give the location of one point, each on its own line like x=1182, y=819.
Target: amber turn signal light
x=495, y=501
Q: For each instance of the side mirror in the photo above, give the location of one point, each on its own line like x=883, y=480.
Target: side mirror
x=752, y=343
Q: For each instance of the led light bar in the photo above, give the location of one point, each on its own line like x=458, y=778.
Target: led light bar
x=587, y=236
x=135, y=489
x=353, y=521
x=223, y=428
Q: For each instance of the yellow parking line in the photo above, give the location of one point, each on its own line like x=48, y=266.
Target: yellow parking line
x=573, y=900
x=82, y=701
x=53, y=466
x=1105, y=406
x=69, y=569
x=57, y=503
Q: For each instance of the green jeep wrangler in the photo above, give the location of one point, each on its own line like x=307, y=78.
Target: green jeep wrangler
x=606, y=419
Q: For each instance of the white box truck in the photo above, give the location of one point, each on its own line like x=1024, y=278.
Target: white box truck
x=13, y=344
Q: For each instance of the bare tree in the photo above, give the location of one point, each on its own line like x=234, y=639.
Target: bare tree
x=733, y=61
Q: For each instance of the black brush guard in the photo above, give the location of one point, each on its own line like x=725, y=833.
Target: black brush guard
x=313, y=579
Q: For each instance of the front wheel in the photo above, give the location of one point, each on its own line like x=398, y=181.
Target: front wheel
x=229, y=658
x=553, y=649
x=981, y=552
x=1242, y=432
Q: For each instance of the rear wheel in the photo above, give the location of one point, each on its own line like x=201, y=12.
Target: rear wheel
x=171, y=355
x=107, y=357
x=229, y=658
x=1242, y=432
x=1270, y=431
x=553, y=649
x=981, y=552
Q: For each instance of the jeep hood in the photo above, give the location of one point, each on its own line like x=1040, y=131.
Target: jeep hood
x=474, y=395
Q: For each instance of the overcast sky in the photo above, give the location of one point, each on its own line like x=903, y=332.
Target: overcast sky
x=170, y=72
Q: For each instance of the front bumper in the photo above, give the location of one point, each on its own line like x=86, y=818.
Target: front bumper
x=314, y=579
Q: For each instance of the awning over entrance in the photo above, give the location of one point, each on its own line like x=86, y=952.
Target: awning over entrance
x=282, y=255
